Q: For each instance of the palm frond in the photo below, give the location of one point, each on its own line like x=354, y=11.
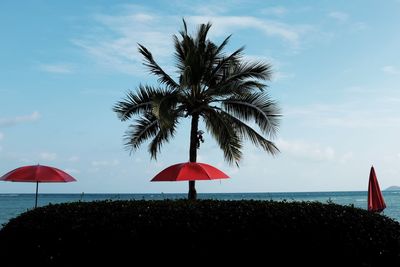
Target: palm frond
x=244, y=71
x=221, y=47
x=258, y=107
x=135, y=102
x=145, y=127
x=236, y=88
x=163, y=136
x=246, y=132
x=222, y=65
x=185, y=31
x=155, y=69
x=179, y=54
x=226, y=137
x=201, y=36
x=164, y=107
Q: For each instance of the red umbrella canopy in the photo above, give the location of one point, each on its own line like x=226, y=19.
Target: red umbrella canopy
x=37, y=173
x=189, y=171
x=375, y=199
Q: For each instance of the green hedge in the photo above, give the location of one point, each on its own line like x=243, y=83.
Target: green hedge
x=296, y=233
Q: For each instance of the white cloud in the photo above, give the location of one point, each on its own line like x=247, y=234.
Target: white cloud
x=347, y=115
x=346, y=157
x=391, y=70
x=281, y=76
x=58, y=68
x=114, y=44
x=209, y=9
x=344, y=19
x=1, y=138
x=72, y=171
x=73, y=159
x=339, y=16
x=48, y=156
x=19, y=119
x=276, y=10
x=103, y=163
x=305, y=150
x=224, y=24
x=358, y=26
x=390, y=99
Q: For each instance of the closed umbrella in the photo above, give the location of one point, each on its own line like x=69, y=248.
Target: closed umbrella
x=37, y=174
x=376, y=203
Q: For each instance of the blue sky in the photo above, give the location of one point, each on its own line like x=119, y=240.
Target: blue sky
x=64, y=64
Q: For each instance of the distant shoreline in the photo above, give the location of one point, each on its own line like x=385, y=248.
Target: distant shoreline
x=391, y=188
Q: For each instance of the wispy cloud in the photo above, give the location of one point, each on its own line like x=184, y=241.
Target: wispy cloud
x=276, y=10
x=19, y=119
x=345, y=20
x=346, y=157
x=339, y=16
x=209, y=9
x=348, y=115
x=392, y=70
x=48, y=156
x=1, y=138
x=305, y=150
x=223, y=24
x=73, y=159
x=72, y=171
x=282, y=76
x=59, y=68
x=113, y=43
x=105, y=163
x=117, y=48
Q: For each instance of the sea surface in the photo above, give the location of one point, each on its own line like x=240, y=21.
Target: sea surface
x=11, y=205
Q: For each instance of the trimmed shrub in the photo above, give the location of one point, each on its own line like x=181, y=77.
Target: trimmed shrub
x=297, y=233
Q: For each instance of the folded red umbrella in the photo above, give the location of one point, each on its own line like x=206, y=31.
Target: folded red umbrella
x=376, y=202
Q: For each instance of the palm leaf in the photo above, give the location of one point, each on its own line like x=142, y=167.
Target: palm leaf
x=246, y=132
x=135, y=102
x=162, y=136
x=245, y=71
x=145, y=127
x=155, y=69
x=258, y=107
x=236, y=88
x=164, y=107
x=227, y=139
x=221, y=66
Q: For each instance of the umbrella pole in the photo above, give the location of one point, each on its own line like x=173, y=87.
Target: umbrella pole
x=37, y=187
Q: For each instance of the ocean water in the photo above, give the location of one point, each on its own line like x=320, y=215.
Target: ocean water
x=11, y=205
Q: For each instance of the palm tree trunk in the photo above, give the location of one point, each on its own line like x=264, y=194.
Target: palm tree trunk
x=192, y=195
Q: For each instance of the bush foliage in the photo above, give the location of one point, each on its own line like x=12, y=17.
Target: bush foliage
x=310, y=233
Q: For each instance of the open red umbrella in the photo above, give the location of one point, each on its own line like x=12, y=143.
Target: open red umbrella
x=189, y=171
x=37, y=174
x=376, y=202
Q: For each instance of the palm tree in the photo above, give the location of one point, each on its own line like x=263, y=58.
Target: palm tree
x=224, y=90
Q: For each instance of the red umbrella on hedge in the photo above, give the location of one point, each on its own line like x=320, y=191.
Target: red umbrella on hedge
x=376, y=202
x=189, y=171
x=37, y=174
